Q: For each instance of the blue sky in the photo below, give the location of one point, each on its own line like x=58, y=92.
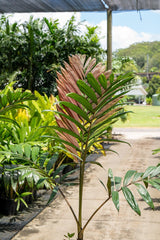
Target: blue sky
x=128, y=27
x=139, y=21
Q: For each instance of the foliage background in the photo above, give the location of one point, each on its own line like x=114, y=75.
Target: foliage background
x=141, y=57
x=139, y=52
x=35, y=50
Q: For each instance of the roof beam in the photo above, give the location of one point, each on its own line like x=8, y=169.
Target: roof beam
x=109, y=39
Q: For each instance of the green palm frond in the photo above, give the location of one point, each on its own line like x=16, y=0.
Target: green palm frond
x=11, y=100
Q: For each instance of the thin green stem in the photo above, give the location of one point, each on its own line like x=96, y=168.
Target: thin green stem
x=81, y=183
x=82, y=165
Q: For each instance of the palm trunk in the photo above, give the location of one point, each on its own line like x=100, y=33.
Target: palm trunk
x=80, y=234
x=30, y=79
x=81, y=183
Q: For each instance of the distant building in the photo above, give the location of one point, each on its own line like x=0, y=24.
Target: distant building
x=139, y=92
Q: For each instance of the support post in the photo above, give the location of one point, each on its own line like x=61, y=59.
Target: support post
x=109, y=39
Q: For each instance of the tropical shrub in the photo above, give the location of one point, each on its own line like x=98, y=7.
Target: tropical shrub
x=24, y=143
x=13, y=187
x=11, y=101
x=154, y=84
x=20, y=124
x=149, y=101
x=30, y=118
x=18, y=179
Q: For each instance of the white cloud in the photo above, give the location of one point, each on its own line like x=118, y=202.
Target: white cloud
x=103, y=33
x=123, y=36
x=63, y=17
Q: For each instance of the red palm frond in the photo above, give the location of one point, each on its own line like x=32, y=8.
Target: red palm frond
x=77, y=69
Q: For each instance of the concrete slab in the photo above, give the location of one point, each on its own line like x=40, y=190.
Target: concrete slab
x=137, y=133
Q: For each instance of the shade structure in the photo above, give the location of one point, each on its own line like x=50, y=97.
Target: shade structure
x=125, y=5
x=12, y=6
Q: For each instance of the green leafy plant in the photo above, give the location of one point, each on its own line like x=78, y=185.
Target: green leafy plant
x=22, y=130
x=32, y=121
x=16, y=185
x=21, y=138
x=20, y=199
x=24, y=169
x=17, y=162
x=69, y=235
x=149, y=101
x=28, y=118
x=11, y=100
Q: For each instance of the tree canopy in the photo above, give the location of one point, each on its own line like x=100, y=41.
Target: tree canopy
x=145, y=54
x=34, y=50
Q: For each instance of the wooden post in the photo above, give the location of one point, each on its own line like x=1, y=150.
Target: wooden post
x=109, y=39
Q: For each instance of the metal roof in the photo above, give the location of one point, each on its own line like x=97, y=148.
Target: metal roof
x=11, y=6
x=137, y=91
x=125, y=5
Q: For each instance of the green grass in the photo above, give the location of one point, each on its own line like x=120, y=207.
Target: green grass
x=142, y=116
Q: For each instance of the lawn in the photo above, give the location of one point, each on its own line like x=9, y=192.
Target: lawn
x=142, y=116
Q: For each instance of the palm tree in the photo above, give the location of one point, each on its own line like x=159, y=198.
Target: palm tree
x=90, y=101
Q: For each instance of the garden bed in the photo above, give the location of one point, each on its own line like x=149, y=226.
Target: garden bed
x=10, y=225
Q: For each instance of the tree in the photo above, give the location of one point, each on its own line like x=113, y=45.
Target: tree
x=124, y=64
x=10, y=40
x=154, y=84
x=145, y=53
x=154, y=62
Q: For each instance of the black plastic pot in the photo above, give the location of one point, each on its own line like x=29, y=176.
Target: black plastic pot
x=8, y=207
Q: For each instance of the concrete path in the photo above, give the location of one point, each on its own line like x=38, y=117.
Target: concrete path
x=56, y=220
x=138, y=133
